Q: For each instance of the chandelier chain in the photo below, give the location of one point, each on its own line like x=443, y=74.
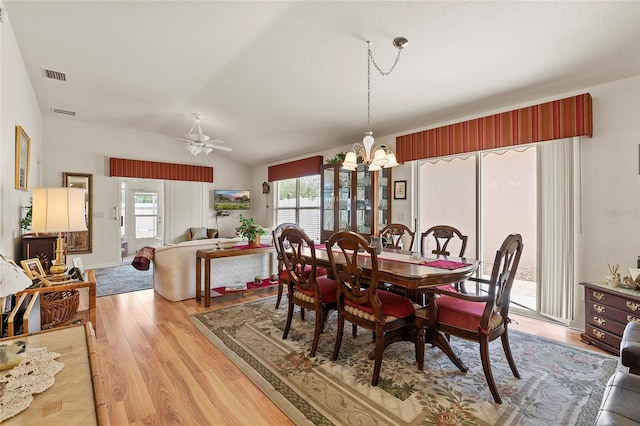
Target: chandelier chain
x=370, y=60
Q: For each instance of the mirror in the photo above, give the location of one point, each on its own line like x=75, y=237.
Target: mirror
x=80, y=242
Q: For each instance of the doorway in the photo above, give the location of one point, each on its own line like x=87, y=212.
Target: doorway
x=142, y=214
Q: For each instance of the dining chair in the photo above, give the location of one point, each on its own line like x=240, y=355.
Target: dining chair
x=480, y=318
x=393, y=236
x=389, y=315
x=443, y=235
x=283, y=275
x=306, y=290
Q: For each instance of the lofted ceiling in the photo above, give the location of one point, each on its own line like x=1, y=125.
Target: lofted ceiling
x=280, y=79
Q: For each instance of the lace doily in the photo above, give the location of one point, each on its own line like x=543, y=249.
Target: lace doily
x=33, y=375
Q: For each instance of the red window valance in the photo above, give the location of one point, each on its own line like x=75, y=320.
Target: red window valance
x=559, y=119
x=294, y=169
x=155, y=170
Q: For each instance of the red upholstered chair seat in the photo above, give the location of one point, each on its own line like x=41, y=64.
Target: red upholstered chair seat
x=393, y=305
x=328, y=290
x=320, y=271
x=463, y=313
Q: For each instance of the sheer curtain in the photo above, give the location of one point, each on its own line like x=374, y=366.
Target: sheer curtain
x=559, y=214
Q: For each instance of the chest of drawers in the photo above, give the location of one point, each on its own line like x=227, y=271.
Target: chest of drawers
x=607, y=311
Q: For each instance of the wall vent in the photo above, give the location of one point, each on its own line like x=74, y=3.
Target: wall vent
x=63, y=112
x=54, y=75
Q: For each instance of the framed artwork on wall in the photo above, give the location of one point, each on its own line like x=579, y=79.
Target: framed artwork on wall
x=23, y=153
x=400, y=190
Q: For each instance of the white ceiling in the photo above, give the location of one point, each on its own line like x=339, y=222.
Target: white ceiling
x=281, y=79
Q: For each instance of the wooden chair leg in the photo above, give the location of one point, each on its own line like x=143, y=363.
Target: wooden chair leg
x=377, y=365
x=437, y=339
x=420, y=344
x=486, y=366
x=507, y=352
x=280, y=290
x=317, y=332
x=287, y=326
x=340, y=331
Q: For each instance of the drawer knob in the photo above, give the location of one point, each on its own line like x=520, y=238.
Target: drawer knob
x=599, y=334
x=598, y=295
x=632, y=319
x=598, y=320
x=633, y=306
x=598, y=308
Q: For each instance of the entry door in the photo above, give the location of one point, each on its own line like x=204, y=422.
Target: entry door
x=143, y=218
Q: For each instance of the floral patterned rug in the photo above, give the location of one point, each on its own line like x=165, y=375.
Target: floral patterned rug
x=559, y=385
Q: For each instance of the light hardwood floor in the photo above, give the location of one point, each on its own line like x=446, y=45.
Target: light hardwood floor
x=159, y=369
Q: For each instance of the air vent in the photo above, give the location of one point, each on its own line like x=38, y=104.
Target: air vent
x=54, y=75
x=63, y=112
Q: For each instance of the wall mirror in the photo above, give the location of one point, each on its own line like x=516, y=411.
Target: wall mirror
x=81, y=242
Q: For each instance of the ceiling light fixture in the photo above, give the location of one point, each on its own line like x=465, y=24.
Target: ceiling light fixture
x=195, y=140
x=376, y=156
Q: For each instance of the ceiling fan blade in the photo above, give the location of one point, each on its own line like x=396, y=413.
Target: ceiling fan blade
x=182, y=139
x=221, y=148
x=216, y=141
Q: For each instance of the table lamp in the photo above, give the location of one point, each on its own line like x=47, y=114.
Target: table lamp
x=58, y=210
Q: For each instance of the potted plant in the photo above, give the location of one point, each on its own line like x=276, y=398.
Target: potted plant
x=250, y=230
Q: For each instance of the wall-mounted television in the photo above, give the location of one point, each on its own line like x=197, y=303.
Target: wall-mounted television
x=229, y=199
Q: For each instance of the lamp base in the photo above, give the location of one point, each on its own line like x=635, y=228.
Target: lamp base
x=60, y=266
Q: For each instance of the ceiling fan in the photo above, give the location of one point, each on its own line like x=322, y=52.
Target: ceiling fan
x=195, y=140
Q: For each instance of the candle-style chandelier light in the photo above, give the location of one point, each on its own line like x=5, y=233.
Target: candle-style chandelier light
x=376, y=156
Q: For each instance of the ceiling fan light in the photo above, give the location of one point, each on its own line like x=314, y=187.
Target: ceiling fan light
x=206, y=150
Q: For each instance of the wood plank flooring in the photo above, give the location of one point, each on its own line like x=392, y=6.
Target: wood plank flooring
x=159, y=369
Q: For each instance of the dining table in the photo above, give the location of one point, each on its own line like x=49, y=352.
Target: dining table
x=409, y=271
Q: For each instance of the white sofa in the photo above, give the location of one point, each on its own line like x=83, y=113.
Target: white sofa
x=174, y=267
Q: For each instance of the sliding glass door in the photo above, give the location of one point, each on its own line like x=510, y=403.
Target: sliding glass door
x=486, y=196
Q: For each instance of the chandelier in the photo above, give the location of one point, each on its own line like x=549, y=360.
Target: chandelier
x=376, y=156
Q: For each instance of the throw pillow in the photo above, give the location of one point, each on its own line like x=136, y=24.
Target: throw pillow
x=199, y=234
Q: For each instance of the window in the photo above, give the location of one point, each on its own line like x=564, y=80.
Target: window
x=298, y=201
x=146, y=214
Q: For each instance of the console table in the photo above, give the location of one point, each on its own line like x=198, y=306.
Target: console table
x=208, y=255
x=607, y=311
x=77, y=395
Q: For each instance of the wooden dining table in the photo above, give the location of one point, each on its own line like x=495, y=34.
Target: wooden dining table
x=398, y=268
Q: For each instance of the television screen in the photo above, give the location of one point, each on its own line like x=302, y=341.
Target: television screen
x=226, y=199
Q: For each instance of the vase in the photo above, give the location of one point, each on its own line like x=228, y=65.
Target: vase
x=255, y=243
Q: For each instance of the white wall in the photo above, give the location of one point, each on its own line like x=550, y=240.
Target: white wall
x=81, y=147
x=18, y=106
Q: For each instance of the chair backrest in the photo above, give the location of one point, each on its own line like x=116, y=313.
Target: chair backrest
x=443, y=234
x=277, y=231
x=392, y=236
x=347, y=269
x=291, y=243
x=503, y=273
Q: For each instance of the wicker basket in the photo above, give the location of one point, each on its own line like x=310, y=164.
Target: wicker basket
x=57, y=307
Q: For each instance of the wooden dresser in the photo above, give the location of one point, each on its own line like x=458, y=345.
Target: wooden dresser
x=607, y=312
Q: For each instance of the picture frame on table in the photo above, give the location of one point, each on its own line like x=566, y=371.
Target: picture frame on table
x=33, y=268
x=77, y=263
x=400, y=190
x=23, y=154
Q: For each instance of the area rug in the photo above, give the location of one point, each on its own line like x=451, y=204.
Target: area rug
x=122, y=279
x=559, y=385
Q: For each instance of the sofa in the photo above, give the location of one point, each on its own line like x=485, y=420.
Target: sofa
x=620, y=401
x=174, y=267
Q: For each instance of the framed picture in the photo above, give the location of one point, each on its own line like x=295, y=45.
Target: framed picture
x=400, y=190
x=23, y=152
x=32, y=267
x=77, y=263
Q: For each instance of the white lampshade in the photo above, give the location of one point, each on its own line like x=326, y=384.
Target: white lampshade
x=380, y=157
x=392, y=161
x=373, y=167
x=58, y=210
x=12, y=277
x=206, y=150
x=350, y=161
